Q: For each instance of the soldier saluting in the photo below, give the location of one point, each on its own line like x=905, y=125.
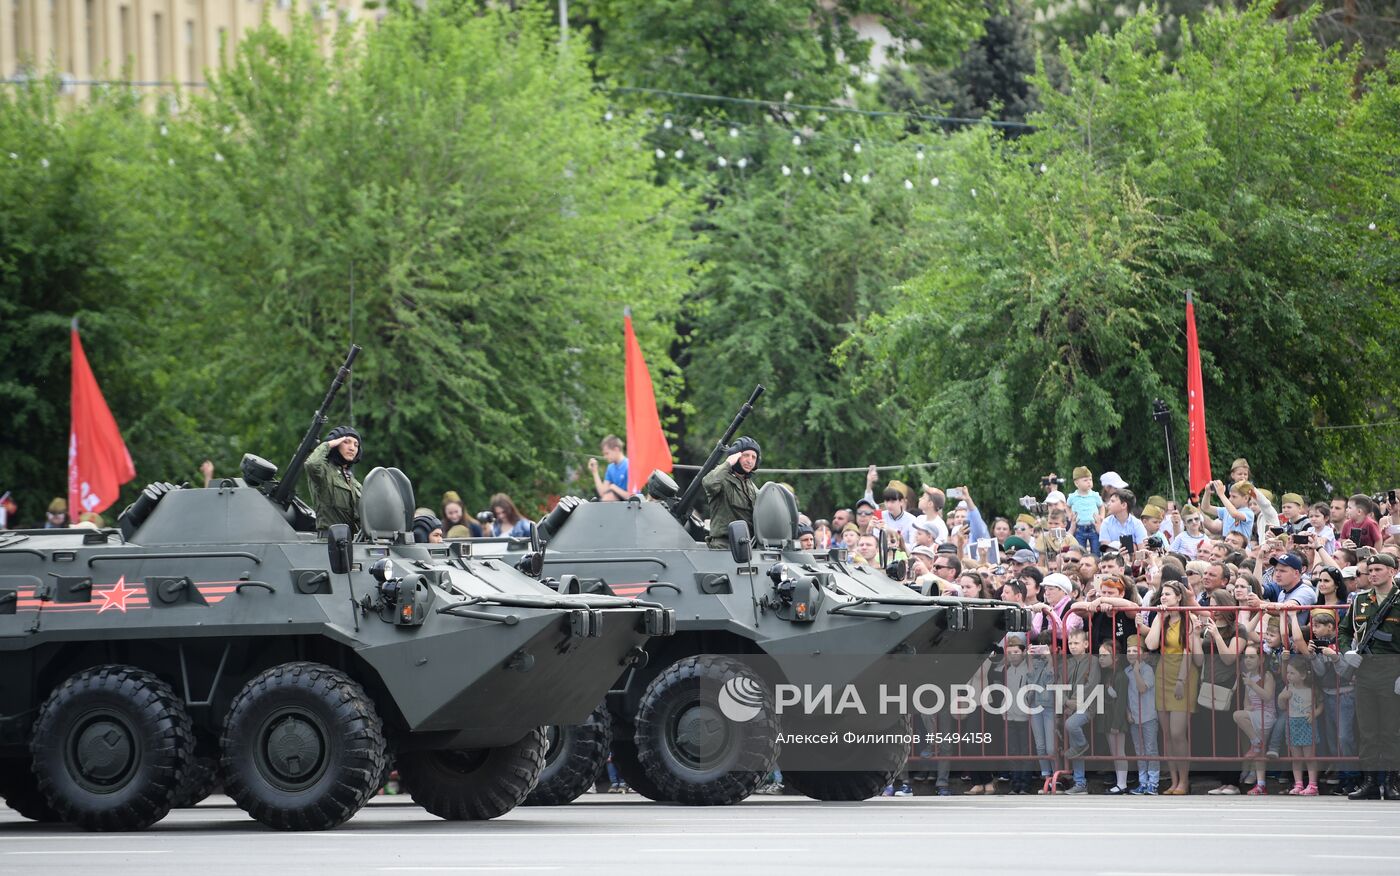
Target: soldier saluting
x=731, y=492
x=1371, y=644
x=335, y=493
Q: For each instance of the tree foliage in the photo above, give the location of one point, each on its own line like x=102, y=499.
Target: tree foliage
x=793, y=262
x=991, y=79
x=68, y=182
x=812, y=50
x=1245, y=172
x=453, y=169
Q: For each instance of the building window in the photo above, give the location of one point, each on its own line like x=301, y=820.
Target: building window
x=18, y=47
x=191, y=52
x=125, y=16
x=158, y=44
x=57, y=43
x=90, y=22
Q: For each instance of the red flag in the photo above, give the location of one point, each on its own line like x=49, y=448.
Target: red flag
x=647, y=449
x=1199, y=472
x=98, y=463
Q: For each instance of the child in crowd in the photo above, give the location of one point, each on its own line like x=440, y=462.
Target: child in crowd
x=1256, y=719
x=1042, y=675
x=1085, y=509
x=1272, y=657
x=1336, y=736
x=1320, y=521
x=1190, y=531
x=1360, y=527
x=1016, y=672
x=1303, y=704
x=1082, y=676
x=1142, y=716
x=1115, y=676
x=1234, y=514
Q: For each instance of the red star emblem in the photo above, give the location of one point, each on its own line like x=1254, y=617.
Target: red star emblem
x=116, y=596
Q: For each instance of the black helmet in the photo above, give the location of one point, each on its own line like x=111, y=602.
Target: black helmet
x=423, y=526
x=342, y=432
x=745, y=444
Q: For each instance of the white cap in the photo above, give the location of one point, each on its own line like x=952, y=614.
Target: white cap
x=1054, y=496
x=1112, y=479
x=1055, y=579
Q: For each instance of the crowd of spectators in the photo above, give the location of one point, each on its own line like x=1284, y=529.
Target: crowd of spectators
x=1216, y=628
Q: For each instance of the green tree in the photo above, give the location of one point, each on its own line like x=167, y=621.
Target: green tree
x=799, y=246
x=453, y=169
x=67, y=186
x=810, y=49
x=1244, y=171
x=992, y=78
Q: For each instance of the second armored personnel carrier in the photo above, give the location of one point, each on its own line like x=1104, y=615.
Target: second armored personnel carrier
x=760, y=614
x=215, y=628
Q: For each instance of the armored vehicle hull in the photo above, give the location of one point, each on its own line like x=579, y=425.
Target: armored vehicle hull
x=761, y=617
x=215, y=631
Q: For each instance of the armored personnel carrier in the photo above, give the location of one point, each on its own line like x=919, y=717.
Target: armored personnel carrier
x=215, y=627
x=760, y=614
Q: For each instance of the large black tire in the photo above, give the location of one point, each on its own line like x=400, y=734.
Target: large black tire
x=690, y=750
x=474, y=785
x=574, y=755
x=302, y=747
x=20, y=789
x=200, y=781
x=629, y=764
x=879, y=764
x=111, y=746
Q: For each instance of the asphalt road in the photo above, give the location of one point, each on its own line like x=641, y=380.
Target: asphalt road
x=1018, y=836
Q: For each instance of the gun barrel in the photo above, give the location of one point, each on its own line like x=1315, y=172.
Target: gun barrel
x=287, y=486
x=681, y=509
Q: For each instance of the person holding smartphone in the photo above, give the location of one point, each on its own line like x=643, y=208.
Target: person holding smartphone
x=1360, y=527
x=1119, y=524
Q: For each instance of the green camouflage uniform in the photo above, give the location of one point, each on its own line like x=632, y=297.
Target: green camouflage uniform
x=731, y=498
x=1377, y=704
x=335, y=494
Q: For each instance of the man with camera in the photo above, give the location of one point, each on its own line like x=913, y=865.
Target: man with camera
x=1370, y=643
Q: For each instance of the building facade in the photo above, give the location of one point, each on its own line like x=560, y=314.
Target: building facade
x=165, y=41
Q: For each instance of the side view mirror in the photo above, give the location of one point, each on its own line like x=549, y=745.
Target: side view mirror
x=739, y=547
x=531, y=564
x=339, y=549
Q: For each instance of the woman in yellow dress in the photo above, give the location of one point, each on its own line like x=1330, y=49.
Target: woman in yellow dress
x=1176, y=683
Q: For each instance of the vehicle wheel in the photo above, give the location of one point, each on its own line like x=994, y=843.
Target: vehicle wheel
x=629, y=765
x=574, y=755
x=111, y=746
x=858, y=772
x=689, y=749
x=20, y=789
x=302, y=747
x=475, y=784
x=200, y=781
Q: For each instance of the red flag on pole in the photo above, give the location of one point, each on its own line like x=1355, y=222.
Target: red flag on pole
x=647, y=449
x=1199, y=474
x=98, y=463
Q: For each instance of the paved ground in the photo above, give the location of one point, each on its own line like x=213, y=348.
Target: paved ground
x=1086, y=836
